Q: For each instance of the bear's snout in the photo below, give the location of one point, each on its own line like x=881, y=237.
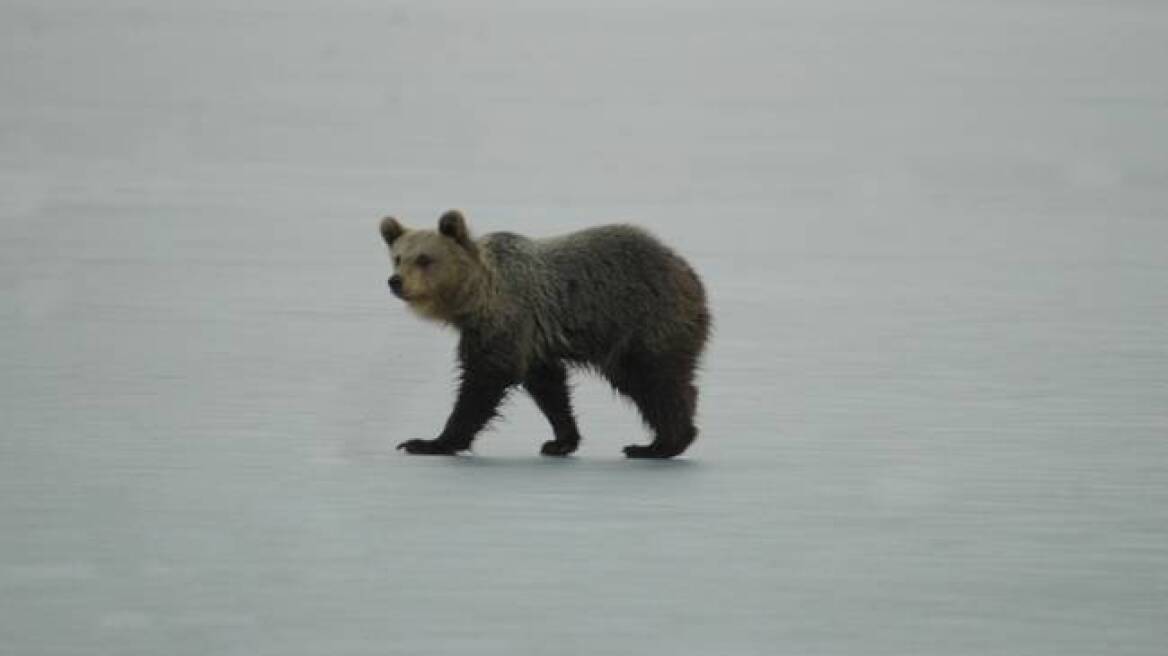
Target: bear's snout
x=395, y=285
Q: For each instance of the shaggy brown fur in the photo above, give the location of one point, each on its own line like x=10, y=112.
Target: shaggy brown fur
x=611, y=298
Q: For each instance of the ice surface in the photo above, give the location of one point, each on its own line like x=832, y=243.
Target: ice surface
x=933, y=413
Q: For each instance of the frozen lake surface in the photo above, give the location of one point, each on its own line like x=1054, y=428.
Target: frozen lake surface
x=933, y=413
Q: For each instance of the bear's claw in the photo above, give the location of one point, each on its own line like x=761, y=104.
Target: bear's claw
x=557, y=448
x=651, y=451
x=426, y=448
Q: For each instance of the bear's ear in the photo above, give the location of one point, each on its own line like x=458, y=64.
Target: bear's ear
x=453, y=225
x=391, y=230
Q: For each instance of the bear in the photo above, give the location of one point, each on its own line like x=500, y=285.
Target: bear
x=611, y=299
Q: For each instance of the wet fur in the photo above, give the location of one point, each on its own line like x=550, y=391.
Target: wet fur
x=612, y=299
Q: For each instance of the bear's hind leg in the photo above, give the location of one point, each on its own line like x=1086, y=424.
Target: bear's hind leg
x=547, y=383
x=663, y=391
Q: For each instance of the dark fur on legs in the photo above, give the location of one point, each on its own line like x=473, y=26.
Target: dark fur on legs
x=662, y=389
x=485, y=383
x=547, y=383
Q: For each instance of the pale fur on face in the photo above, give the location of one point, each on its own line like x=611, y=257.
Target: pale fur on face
x=440, y=274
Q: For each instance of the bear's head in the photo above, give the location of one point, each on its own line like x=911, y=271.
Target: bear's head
x=438, y=273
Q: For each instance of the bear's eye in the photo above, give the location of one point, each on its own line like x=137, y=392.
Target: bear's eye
x=396, y=260
x=424, y=260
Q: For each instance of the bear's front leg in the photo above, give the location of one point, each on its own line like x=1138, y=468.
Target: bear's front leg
x=479, y=396
x=547, y=383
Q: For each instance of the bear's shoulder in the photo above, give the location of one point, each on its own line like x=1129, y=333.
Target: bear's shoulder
x=503, y=247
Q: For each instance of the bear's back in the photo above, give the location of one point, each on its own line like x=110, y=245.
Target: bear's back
x=591, y=292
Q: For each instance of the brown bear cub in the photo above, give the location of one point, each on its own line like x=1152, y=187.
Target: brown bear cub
x=611, y=298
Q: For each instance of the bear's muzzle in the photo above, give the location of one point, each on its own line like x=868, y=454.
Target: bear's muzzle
x=395, y=285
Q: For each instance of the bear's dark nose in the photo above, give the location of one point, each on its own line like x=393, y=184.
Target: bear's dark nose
x=395, y=284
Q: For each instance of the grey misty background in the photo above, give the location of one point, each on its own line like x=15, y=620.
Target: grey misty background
x=933, y=413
